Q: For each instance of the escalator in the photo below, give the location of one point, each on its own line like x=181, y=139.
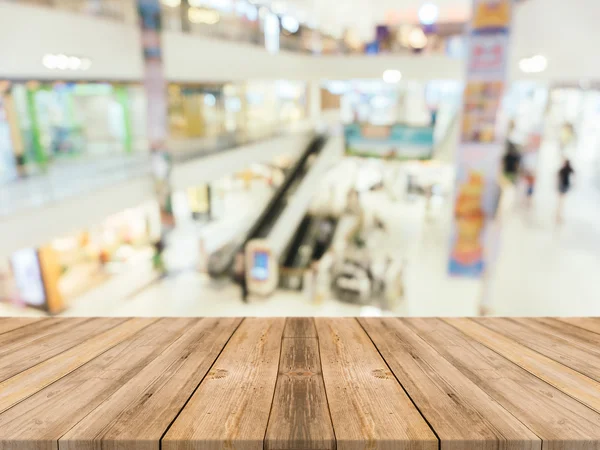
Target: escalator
x=221, y=262
x=312, y=239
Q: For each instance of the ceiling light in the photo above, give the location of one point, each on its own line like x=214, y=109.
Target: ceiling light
x=428, y=14
x=62, y=62
x=65, y=62
x=290, y=24
x=392, y=76
x=534, y=64
x=49, y=61
x=74, y=63
x=202, y=15
x=417, y=39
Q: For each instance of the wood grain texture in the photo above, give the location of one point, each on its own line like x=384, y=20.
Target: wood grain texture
x=154, y=396
x=300, y=327
x=463, y=416
x=590, y=323
x=230, y=409
x=23, y=336
x=12, y=323
x=36, y=378
x=369, y=409
x=39, y=421
x=562, y=422
x=299, y=384
x=552, y=342
x=300, y=414
x=567, y=380
x=20, y=356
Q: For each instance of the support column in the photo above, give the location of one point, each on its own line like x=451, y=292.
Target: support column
x=480, y=149
x=155, y=86
x=314, y=100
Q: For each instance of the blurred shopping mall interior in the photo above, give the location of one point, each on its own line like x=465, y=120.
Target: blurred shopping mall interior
x=299, y=157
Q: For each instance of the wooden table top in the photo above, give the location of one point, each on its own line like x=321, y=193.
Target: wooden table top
x=299, y=384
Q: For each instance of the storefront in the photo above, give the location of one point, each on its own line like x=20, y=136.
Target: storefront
x=196, y=111
x=65, y=120
x=51, y=276
x=8, y=166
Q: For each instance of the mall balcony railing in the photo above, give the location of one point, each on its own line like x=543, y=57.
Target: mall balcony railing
x=62, y=179
x=241, y=21
x=245, y=22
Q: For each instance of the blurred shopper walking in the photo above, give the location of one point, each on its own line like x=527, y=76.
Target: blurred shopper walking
x=565, y=175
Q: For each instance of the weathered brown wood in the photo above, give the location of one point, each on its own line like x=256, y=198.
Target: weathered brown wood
x=19, y=356
x=12, y=323
x=35, y=378
x=300, y=327
x=369, y=409
x=562, y=422
x=463, y=415
x=587, y=323
x=548, y=341
x=230, y=409
x=154, y=396
x=22, y=336
x=123, y=384
x=38, y=422
x=567, y=380
x=300, y=415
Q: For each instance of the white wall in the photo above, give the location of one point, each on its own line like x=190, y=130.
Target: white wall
x=197, y=58
x=566, y=32
x=27, y=33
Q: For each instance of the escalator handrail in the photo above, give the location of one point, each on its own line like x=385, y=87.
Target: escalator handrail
x=228, y=252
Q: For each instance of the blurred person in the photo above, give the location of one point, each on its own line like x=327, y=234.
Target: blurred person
x=529, y=166
x=565, y=175
x=158, y=258
x=511, y=160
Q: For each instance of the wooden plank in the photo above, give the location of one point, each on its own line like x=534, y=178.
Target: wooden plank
x=547, y=340
x=588, y=323
x=230, y=409
x=153, y=398
x=369, y=409
x=17, y=358
x=463, y=416
x=300, y=327
x=41, y=375
x=22, y=336
x=300, y=415
x=39, y=421
x=558, y=375
x=12, y=323
x=580, y=337
x=560, y=421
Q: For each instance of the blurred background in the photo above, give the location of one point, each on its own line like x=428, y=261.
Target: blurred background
x=299, y=157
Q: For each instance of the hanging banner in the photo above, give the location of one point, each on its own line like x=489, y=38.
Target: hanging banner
x=398, y=141
x=480, y=148
x=155, y=86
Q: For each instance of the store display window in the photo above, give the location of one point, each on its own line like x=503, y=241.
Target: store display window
x=65, y=120
x=51, y=276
